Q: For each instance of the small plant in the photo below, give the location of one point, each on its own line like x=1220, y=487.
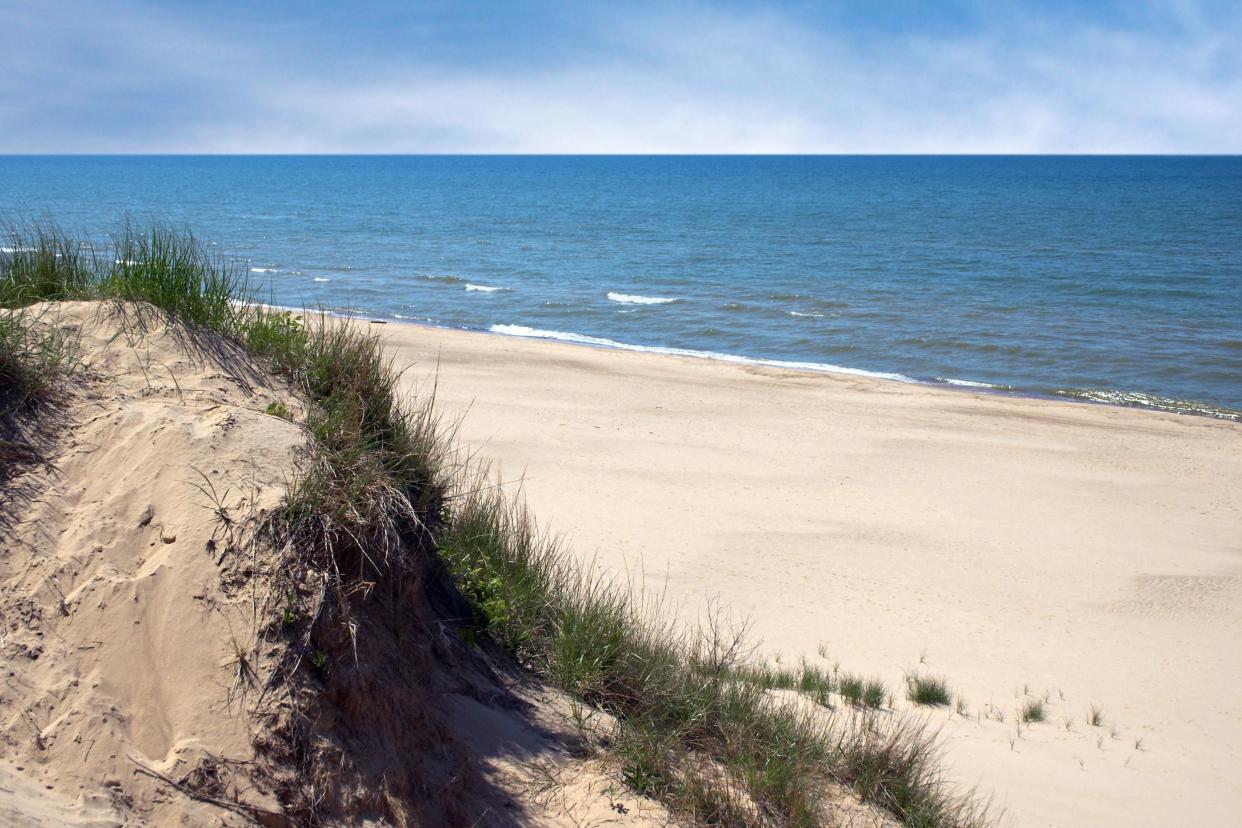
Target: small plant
x=861, y=692
x=928, y=690
x=319, y=659
x=1032, y=711
x=961, y=707
x=851, y=688
x=1096, y=717
x=814, y=682
x=278, y=409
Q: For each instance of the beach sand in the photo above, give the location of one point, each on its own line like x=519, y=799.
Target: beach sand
x=1079, y=554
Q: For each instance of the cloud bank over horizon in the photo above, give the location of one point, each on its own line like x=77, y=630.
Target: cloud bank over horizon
x=552, y=77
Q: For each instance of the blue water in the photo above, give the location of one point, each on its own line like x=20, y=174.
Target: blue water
x=1109, y=278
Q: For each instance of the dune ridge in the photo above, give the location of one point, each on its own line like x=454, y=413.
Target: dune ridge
x=145, y=679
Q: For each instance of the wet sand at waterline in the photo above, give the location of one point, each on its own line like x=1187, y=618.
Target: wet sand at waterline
x=1024, y=549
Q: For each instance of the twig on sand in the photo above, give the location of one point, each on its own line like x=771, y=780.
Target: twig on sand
x=262, y=815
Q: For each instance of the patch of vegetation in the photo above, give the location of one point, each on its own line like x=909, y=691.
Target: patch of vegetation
x=34, y=356
x=1032, y=711
x=928, y=690
x=379, y=509
x=861, y=692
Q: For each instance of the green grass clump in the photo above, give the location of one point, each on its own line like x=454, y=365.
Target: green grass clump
x=34, y=354
x=1032, y=711
x=861, y=692
x=39, y=262
x=812, y=682
x=928, y=690
x=35, y=264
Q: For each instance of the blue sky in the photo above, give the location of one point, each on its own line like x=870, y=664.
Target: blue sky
x=788, y=77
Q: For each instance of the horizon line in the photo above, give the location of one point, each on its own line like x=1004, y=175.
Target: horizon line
x=621, y=154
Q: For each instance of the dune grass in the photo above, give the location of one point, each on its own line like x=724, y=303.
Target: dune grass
x=692, y=721
x=42, y=263
x=862, y=692
x=33, y=355
x=1032, y=711
x=693, y=716
x=932, y=691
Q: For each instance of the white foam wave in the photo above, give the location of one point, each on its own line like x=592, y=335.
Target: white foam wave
x=966, y=383
x=583, y=339
x=483, y=288
x=631, y=299
x=264, y=270
x=17, y=250
x=812, y=314
x=322, y=279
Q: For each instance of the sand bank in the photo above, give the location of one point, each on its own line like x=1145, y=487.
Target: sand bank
x=136, y=630
x=1078, y=554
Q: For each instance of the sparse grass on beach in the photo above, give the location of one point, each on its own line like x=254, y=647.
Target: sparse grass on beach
x=1032, y=711
x=381, y=502
x=692, y=715
x=861, y=692
x=928, y=690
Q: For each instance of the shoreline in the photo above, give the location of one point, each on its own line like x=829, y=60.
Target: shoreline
x=1089, y=554
x=1141, y=401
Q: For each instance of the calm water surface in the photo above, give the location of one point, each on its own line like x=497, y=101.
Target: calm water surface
x=1116, y=279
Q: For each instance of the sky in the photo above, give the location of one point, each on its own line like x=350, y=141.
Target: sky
x=382, y=76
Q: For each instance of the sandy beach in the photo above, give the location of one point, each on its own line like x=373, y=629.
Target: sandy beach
x=1024, y=549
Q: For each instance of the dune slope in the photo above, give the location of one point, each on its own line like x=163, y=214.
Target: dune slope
x=142, y=674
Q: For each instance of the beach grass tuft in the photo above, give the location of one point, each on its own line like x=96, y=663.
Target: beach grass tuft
x=1032, y=711
x=862, y=692
x=34, y=355
x=928, y=690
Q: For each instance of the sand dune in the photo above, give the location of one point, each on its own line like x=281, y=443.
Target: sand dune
x=1025, y=549
x=126, y=600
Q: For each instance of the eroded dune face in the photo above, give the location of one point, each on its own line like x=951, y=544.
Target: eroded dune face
x=120, y=626
x=145, y=658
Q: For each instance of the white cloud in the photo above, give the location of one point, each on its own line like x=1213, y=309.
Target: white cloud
x=688, y=80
